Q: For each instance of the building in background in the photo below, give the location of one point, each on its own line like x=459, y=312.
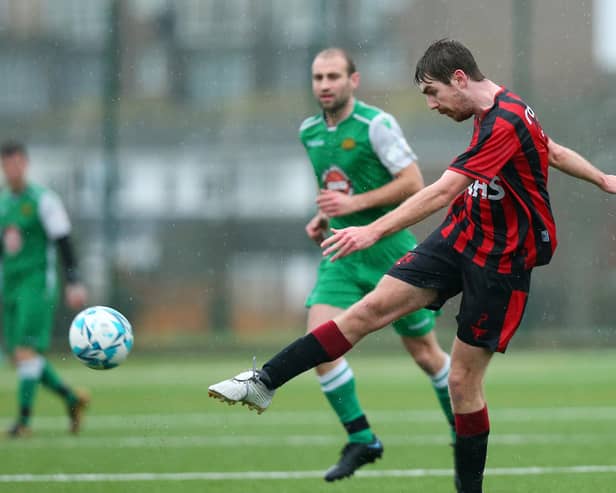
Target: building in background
x=210, y=203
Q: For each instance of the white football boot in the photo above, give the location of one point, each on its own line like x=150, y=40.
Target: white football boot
x=245, y=388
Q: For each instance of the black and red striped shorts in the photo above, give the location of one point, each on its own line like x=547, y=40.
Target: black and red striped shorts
x=492, y=304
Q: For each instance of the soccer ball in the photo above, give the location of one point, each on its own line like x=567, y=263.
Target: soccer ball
x=100, y=337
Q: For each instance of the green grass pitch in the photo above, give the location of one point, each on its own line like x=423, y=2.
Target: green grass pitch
x=152, y=428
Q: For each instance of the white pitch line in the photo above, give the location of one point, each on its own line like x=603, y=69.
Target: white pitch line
x=265, y=475
x=313, y=440
x=275, y=418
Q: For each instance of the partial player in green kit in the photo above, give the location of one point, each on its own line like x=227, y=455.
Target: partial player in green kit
x=364, y=168
x=33, y=225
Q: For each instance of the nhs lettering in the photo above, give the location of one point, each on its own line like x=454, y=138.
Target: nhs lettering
x=490, y=191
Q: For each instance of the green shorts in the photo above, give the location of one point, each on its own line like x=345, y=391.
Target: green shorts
x=346, y=281
x=30, y=303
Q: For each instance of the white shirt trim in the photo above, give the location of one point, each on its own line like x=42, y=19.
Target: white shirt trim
x=53, y=216
x=389, y=144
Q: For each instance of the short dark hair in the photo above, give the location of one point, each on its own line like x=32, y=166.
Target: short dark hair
x=442, y=59
x=12, y=147
x=327, y=52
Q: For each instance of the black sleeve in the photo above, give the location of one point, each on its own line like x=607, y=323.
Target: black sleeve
x=68, y=259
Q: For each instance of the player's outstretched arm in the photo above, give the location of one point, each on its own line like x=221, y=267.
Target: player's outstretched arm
x=413, y=210
x=570, y=162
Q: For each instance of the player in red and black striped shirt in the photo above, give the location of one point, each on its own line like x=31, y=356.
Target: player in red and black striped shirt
x=504, y=222
x=499, y=226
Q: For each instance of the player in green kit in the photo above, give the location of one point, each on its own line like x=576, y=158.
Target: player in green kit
x=33, y=224
x=364, y=168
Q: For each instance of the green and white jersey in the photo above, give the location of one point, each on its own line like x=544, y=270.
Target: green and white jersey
x=30, y=222
x=363, y=152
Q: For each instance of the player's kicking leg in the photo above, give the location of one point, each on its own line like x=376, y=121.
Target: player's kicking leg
x=390, y=300
x=246, y=388
x=249, y=388
x=253, y=389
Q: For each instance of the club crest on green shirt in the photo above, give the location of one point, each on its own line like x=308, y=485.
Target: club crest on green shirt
x=27, y=208
x=337, y=180
x=348, y=144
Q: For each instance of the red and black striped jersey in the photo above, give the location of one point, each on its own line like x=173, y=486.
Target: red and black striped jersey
x=504, y=221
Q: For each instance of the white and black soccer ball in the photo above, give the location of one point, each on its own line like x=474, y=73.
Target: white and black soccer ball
x=100, y=337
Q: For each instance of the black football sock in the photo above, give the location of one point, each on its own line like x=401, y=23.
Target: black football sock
x=471, y=448
x=325, y=343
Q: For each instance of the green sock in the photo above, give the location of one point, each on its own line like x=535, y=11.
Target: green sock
x=26, y=391
x=51, y=380
x=28, y=375
x=338, y=385
x=440, y=385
